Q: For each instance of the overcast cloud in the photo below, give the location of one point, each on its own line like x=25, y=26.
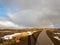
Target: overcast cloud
x=33, y=13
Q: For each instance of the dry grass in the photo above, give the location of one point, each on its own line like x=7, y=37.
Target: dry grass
x=22, y=39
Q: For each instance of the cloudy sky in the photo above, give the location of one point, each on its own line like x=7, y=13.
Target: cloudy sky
x=31, y=13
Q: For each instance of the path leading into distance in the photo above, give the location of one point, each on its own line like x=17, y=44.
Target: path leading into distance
x=43, y=39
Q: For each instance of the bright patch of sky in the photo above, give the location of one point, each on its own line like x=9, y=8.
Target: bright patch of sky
x=3, y=11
